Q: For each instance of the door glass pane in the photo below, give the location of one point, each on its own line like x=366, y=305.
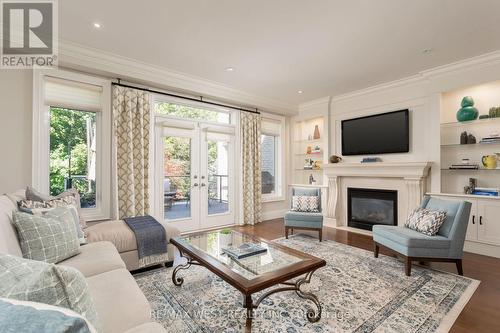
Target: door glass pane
x=177, y=180
x=73, y=153
x=218, y=176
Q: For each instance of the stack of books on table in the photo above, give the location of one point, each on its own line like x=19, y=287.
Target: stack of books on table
x=464, y=167
x=244, y=250
x=490, y=139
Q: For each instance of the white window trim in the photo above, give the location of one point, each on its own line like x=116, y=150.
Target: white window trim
x=41, y=140
x=280, y=194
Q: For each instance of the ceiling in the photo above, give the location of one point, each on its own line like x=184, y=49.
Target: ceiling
x=322, y=47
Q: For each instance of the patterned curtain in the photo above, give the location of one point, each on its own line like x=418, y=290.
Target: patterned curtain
x=131, y=125
x=252, y=184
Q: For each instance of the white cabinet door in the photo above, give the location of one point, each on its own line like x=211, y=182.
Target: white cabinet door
x=489, y=221
x=473, y=222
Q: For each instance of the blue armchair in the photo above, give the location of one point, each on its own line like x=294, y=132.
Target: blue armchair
x=305, y=220
x=446, y=246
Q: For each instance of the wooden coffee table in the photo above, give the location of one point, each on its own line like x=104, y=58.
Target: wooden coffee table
x=281, y=267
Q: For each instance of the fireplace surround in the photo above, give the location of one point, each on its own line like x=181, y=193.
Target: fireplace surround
x=367, y=207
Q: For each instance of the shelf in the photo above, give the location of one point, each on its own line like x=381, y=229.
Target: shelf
x=312, y=170
x=309, y=141
x=461, y=195
x=311, y=155
x=456, y=145
x=308, y=185
x=471, y=170
x=472, y=123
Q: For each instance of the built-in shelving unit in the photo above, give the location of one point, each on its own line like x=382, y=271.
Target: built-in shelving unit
x=303, y=146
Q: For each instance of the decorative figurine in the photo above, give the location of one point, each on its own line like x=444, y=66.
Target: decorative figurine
x=467, y=112
x=316, y=135
x=463, y=138
x=335, y=159
x=471, y=139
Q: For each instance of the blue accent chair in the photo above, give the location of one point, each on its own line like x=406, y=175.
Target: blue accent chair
x=305, y=220
x=446, y=246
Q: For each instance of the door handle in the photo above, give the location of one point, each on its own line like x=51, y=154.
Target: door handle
x=473, y=219
x=480, y=220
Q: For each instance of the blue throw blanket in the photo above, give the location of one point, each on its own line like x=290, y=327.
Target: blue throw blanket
x=150, y=235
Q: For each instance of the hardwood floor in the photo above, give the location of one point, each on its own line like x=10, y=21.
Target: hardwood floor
x=481, y=314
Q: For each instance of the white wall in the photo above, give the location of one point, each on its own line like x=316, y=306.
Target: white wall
x=15, y=129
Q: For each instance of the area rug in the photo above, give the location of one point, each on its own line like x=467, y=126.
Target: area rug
x=358, y=293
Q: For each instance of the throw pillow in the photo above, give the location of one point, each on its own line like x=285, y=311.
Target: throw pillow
x=303, y=203
x=34, y=281
x=36, y=200
x=425, y=221
x=45, y=239
x=40, y=318
x=67, y=214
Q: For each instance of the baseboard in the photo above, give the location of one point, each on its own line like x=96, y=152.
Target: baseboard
x=482, y=248
x=274, y=214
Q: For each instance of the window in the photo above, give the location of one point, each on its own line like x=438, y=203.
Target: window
x=72, y=138
x=190, y=112
x=272, y=148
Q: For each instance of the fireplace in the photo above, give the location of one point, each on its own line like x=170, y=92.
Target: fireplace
x=367, y=207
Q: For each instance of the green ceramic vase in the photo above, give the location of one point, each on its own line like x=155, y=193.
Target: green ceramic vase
x=468, y=112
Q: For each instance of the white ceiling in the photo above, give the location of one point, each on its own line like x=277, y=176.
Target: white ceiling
x=277, y=47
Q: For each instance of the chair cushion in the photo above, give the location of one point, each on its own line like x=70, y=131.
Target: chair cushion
x=95, y=258
x=118, y=233
x=448, y=206
x=410, y=238
x=119, y=302
x=302, y=216
x=46, y=239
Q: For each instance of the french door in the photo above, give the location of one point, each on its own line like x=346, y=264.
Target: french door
x=195, y=174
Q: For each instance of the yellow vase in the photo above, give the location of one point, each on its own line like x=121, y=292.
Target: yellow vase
x=490, y=161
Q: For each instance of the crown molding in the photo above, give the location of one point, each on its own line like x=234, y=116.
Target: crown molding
x=81, y=57
x=484, y=60
x=315, y=102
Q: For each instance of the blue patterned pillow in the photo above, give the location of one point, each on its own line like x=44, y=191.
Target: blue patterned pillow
x=425, y=221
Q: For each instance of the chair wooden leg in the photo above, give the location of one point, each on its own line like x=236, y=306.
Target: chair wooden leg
x=459, y=267
x=320, y=235
x=407, y=266
x=375, y=249
x=291, y=231
x=286, y=232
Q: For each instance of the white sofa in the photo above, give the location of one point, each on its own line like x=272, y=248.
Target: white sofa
x=120, y=304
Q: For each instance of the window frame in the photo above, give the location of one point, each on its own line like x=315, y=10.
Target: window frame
x=279, y=194
x=41, y=139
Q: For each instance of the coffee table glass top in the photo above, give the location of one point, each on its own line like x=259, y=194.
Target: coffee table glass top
x=214, y=243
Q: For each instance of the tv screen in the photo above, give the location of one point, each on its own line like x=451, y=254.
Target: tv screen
x=378, y=134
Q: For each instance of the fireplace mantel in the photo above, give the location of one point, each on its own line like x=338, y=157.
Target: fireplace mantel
x=408, y=177
x=412, y=170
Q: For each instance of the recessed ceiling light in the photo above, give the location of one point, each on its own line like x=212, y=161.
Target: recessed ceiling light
x=229, y=69
x=299, y=92
x=427, y=51
x=97, y=25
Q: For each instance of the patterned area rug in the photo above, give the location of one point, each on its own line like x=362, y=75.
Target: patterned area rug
x=358, y=292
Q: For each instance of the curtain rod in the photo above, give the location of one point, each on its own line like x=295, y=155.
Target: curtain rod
x=200, y=100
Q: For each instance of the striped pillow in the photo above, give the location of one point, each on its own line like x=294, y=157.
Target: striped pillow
x=305, y=203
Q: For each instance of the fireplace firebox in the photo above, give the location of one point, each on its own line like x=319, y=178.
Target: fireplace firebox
x=368, y=207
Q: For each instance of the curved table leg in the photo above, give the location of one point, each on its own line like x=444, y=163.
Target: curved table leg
x=178, y=281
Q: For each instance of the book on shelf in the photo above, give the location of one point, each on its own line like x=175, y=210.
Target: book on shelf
x=244, y=250
x=464, y=167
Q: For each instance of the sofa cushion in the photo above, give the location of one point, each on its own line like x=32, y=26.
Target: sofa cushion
x=45, y=239
x=36, y=281
x=119, y=302
x=40, y=318
x=147, y=328
x=410, y=238
x=118, y=233
x=9, y=244
x=95, y=258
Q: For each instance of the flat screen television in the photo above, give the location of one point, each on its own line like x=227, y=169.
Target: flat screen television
x=383, y=133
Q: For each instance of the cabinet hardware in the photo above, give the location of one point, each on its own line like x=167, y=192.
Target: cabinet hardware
x=480, y=220
x=473, y=219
